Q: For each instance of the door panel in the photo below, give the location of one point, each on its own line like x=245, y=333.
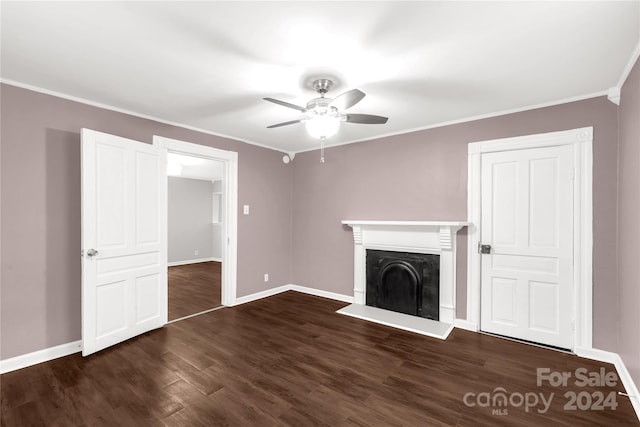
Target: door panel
x=505, y=217
x=110, y=193
x=543, y=209
x=503, y=303
x=527, y=218
x=124, y=286
x=147, y=199
x=544, y=302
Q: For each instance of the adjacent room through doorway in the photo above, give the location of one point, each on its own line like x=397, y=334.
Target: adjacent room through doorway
x=194, y=199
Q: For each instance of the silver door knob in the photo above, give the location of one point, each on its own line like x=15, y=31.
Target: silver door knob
x=484, y=249
x=91, y=253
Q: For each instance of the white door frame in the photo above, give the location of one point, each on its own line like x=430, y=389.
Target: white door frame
x=582, y=141
x=230, y=196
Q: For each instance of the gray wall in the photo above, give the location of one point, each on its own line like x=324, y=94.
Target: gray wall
x=190, y=211
x=40, y=190
x=423, y=176
x=629, y=223
x=40, y=271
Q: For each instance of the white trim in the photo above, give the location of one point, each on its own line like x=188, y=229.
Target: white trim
x=627, y=69
x=409, y=224
x=596, y=354
x=321, y=293
x=39, y=356
x=466, y=325
x=582, y=141
x=130, y=113
x=193, y=261
x=296, y=288
x=293, y=153
x=466, y=119
x=259, y=295
x=613, y=95
x=230, y=211
x=615, y=359
x=196, y=314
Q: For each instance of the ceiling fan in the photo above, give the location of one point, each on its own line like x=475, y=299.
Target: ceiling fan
x=324, y=115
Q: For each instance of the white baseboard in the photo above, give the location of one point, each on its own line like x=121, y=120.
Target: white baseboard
x=321, y=293
x=595, y=354
x=193, y=261
x=39, y=356
x=298, y=288
x=625, y=376
x=466, y=325
x=260, y=295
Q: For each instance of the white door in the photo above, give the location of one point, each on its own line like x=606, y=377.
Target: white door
x=527, y=218
x=124, y=266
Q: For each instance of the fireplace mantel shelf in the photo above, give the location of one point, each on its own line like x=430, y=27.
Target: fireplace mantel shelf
x=361, y=223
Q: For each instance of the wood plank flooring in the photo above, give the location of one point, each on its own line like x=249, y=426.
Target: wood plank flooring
x=194, y=288
x=290, y=360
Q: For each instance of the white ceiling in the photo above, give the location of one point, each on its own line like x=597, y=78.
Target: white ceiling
x=195, y=167
x=207, y=65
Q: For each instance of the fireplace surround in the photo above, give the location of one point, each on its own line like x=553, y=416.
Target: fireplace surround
x=419, y=237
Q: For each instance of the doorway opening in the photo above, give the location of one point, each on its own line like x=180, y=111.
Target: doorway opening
x=202, y=225
x=195, y=191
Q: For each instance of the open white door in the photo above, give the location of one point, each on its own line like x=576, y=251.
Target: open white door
x=124, y=222
x=527, y=219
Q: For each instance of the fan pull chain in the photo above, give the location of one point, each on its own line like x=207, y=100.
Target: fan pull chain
x=322, y=149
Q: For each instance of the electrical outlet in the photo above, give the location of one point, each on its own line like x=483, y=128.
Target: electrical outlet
x=246, y=209
x=195, y=252
x=266, y=277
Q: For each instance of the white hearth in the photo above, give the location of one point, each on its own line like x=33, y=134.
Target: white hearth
x=428, y=237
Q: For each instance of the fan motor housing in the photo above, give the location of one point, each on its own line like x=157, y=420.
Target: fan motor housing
x=322, y=86
x=318, y=103
x=321, y=107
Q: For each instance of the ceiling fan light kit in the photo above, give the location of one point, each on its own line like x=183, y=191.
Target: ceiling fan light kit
x=322, y=126
x=323, y=115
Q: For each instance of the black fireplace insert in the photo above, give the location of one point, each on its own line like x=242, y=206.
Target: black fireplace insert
x=404, y=282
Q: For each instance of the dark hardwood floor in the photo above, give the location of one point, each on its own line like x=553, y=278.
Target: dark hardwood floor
x=290, y=360
x=194, y=288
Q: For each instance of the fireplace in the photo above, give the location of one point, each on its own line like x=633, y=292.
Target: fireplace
x=426, y=244
x=404, y=282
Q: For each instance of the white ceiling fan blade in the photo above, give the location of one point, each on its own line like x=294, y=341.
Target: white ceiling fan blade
x=347, y=99
x=366, y=119
x=286, y=104
x=292, y=122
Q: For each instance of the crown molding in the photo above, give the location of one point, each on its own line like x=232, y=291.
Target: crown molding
x=130, y=113
x=467, y=119
x=613, y=95
x=292, y=153
x=629, y=66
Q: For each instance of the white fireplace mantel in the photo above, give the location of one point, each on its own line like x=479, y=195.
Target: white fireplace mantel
x=431, y=237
